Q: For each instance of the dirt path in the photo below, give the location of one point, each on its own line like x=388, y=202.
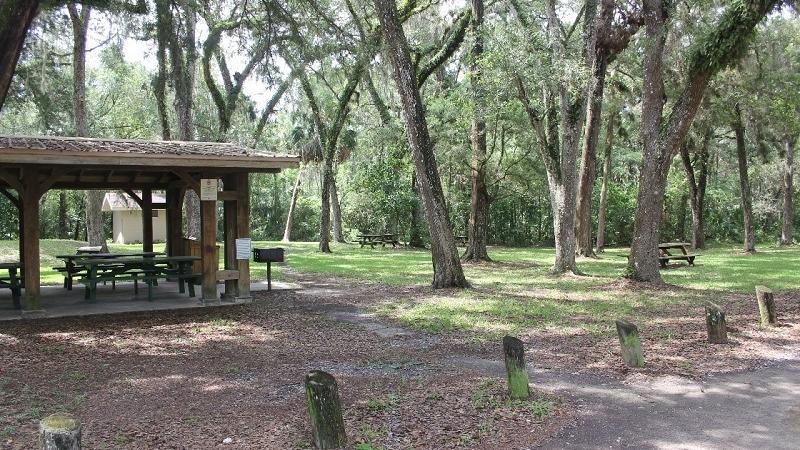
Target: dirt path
x=753, y=409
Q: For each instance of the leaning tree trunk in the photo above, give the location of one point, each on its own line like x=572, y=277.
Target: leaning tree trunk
x=15, y=21
x=601, y=214
x=336, y=210
x=417, y=217
x=447, y=271
x=287, y=232
x=478, y=226
x=788, y=191
x=744, y=182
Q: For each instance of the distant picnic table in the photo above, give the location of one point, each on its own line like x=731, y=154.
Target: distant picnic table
x=11, y=281
x=374, y=239
x=665, y=255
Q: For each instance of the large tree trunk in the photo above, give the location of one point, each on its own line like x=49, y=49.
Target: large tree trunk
x=744, y=183
x=336, y=209
x=183, y=59
x=447, y=271
x=643, y=261
x=287, y=231
x=160, y=86
x=94, y=199
x=662, y=140
x=478, y=226
x=597, y=59
x=788, y=191
x=325, y=214
x=15, y=21
x=601, y=214
x=564, y=182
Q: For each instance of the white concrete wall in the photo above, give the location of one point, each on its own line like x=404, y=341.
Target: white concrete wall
x=128, y=226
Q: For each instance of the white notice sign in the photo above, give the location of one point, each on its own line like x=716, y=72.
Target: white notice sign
x=243, y=248
x=208, y=189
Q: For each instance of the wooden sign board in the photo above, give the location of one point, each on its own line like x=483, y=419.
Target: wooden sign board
x=208, y=189
x=244, y=248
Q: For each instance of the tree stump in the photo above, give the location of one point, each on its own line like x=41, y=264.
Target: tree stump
x=514, y=351
x=325, y=410
x=60, y=432
x=766, y=305
x=630, y=343
x=715, y=324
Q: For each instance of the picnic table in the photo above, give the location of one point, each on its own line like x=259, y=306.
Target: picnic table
x=145, y=268
x=461, y=240
x=665, y=255
x=73, y=263
x=374, y=239
x=12, y=282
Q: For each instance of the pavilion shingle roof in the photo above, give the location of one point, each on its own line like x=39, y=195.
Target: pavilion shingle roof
x=94, y=145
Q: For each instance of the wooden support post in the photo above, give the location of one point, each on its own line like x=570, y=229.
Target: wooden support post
x=208, y=244
x=30, y=236
x=21, y=234
x=766, y=306
x=60, y=432
x=243, y=231
x=631, y=343
x=325, y=410
x=514, y=352
x=174, y=222
x=147, y=220
x=230, y=231
x=715, y=324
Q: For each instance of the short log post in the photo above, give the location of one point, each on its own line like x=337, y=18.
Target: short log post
x=631, y=343
x=766, y=306
x=715, y=324
x=60, y=432
x=325, y=410
x=514, y=352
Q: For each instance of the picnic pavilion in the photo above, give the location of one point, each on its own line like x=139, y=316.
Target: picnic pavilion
x=30, y=166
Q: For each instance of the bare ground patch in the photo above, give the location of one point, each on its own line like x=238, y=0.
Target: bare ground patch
x=189, y=379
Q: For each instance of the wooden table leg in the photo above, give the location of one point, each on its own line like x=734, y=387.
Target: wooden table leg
x=93, y=283
x=16, y=293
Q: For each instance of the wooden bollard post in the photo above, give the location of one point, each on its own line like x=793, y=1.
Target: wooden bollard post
x=60, y=432
x=514, y=351
x=631, y=343
x=766, y=305
x=715, y=324
x=325, y=409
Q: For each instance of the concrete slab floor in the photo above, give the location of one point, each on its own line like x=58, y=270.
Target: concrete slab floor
x=59, y=302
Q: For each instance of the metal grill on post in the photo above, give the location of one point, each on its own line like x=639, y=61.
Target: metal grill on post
x=269, y=256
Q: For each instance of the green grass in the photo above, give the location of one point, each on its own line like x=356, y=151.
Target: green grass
x=718, y=268
x=514, y=293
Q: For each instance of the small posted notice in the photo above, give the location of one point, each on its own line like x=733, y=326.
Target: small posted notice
x=243, y=248
x=208, y=189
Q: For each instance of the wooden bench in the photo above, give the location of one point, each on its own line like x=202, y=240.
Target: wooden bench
x=13, y=282
x=664, y=260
